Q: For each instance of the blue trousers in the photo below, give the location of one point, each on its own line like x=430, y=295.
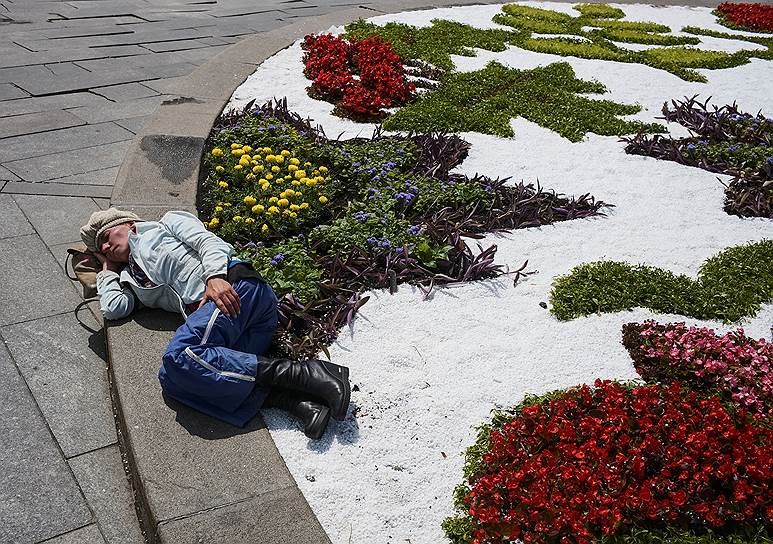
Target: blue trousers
x=211, y=363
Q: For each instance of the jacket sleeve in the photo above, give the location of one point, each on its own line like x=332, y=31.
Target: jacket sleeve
x=213, y=251
x=115, y=300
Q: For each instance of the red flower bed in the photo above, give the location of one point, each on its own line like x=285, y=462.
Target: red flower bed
x=361, y=77
x=737, y=367
x=747, y=16
x=605, y=460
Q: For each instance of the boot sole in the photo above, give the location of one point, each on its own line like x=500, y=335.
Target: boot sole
x=320, y=421
x=340, y=415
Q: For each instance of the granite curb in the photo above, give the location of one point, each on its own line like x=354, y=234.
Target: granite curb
x=196, y=479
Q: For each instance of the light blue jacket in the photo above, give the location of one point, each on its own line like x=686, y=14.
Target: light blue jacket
x=178, y=254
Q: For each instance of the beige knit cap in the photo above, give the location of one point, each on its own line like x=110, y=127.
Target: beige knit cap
x=102, y=220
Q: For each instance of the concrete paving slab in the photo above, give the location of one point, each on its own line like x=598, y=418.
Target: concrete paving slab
x=103, y=480
x=41, y=291
x=30, y=123
x=279, y=517
x=119, y=110
x=135, y=124
x=49, y=103
x=77, y=161
x=9, y=91
x=59, y=189
x=56, y=219
x=13, y=222
x=57, y=141
x=126, y=91
x=39, y=497
x=7, y=175
x=63, y=361
x=85, y=535
x=105, y=176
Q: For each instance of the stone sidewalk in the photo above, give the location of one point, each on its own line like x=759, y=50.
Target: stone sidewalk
x=78, y=79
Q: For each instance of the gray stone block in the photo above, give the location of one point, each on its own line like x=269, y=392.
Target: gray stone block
x=41, y=291
x=39, y=498
x=186, y=462
x=59, y=189
x=58, y=141
x=57, y=219
x=103, y=480
x=126, y=91
x=9, y=91
x=135, y=124
x=13, y=222
x=103, y=177
x=78, y=161
x=278, y=517
x=7, y=175
x=85, y=535
x=64, y=365
x=177, y=45
x=31, y=123
x=118, y=110
x=49, y=103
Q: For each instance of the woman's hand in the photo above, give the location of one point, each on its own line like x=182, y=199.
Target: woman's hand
x=107, y=264
x=223, y=295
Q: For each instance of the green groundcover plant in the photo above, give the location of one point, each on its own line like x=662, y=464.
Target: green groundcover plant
x=324, y=220
x=593, y=34
x=730, y=285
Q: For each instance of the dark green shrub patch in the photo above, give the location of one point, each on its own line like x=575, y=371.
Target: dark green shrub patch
x=724, y=140
x=324, y=220
x=485, y=101
x=731, y=285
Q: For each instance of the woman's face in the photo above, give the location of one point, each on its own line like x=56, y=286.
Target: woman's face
x=114, y=243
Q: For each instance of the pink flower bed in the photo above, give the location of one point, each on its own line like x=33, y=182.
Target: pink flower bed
x=738, y=367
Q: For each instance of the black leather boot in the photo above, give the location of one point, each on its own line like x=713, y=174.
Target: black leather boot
x=314, y=416
x=312, y=378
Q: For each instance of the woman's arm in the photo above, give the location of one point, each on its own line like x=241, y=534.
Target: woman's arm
x=116, y=301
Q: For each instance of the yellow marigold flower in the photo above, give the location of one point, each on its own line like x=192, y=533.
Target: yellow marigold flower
x=251, y=176
x=253, y=162
x=285, y=153
x=244, y=162
x=264, y=228
x=247, y=149
x=273, y=199
x=283, y=202
x=287, y=178
x=307, y=164
x=319, y=179
x=269, y=158
x=236, y=146
x=275, y=169
x=258, y=208
x=273, y=209
x=294, y=161
x=266, y=150
x=292, y=168
x=246, y=157
x=249, y=220
x=323, y=199
x=250, y=200
x=219, y=168
x=295, y=207
x=293, y=215
x=296, y=182
x=323, y=169
x=258, y=168
x=218, y=209
x=290, y=192
x=214, y=222
x=304, y=205
x=237, y=152
x=311, y=182
x=299, y=174
x=305, y=181
x=223, y=184
x=298, y=193
x=286, y=212
x=217, y=152
x=238, y=167
x=279, y=159
x=227, y=204
x=283, y=194
x=237, y=218
x=269, y=177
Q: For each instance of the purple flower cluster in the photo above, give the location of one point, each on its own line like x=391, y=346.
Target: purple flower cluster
x=384, y=242
x=276, y=259
x=413, y=229
x=362, y=216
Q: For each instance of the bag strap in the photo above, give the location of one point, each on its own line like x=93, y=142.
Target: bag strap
x=68, y=264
